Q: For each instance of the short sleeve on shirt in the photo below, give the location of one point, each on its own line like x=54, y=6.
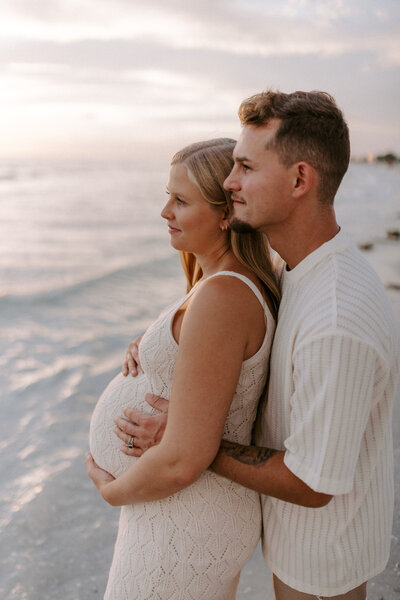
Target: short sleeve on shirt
x=333, y=379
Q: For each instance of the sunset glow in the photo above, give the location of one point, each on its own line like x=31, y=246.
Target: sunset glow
x=90, y=79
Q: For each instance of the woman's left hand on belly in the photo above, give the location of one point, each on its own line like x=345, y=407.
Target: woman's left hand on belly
x=99, y=477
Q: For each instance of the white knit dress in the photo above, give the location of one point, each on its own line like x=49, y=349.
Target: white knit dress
x=191, y=545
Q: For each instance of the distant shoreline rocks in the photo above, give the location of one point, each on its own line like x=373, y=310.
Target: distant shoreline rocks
x=391, y=234
x=393, y=286
x=366, y=246
x=390, y=158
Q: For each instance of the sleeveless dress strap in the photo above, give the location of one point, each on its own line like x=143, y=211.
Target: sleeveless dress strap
x=247, y=281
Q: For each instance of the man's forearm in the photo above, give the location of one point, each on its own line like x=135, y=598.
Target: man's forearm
x=247, y=455
x=264, y=470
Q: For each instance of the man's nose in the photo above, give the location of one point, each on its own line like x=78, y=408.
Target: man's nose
x=231, y=182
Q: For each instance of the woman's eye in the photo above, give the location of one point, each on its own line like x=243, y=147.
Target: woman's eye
x=179, y=201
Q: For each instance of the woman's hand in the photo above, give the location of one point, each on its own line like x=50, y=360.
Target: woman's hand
x=146, y=430
x=132, y=362
x=99, y=477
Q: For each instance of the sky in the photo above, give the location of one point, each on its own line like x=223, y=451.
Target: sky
x=131, y=79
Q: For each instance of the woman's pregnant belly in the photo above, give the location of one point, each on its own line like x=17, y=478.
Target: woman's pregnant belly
x=104, y=444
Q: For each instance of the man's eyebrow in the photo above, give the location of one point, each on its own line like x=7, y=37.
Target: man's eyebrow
x=242, y=159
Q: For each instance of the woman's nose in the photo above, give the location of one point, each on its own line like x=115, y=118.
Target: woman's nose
x=166, y=211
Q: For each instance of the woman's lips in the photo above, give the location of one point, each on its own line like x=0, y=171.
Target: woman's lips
x=172, y=229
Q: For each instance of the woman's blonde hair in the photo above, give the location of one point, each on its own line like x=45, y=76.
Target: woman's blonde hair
x=208, y=165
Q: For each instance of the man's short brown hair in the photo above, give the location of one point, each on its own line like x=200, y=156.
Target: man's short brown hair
x=312, y=129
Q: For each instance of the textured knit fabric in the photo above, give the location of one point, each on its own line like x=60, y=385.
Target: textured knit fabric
x=191, y=545
x=334, y=372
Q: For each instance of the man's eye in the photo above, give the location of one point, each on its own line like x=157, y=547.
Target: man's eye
x=245, y=167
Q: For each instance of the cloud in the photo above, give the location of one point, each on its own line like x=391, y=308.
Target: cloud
x=179, y=66
x=75, y=20
x=254, y=28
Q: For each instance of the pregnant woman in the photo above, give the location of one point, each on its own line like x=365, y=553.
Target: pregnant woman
x=185, y=532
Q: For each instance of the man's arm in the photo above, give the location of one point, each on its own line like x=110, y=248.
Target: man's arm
x=264, y=471
x=259, y=469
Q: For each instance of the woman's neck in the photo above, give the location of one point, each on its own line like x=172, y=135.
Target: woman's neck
x=221, y=260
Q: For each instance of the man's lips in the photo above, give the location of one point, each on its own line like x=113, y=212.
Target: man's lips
x=237, y=200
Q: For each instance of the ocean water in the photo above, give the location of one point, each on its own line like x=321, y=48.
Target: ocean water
x=85, y=265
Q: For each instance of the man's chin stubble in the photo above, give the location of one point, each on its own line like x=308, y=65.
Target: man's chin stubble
x=240, y=226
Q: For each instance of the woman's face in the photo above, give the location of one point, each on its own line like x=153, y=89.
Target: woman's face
x=193, y=224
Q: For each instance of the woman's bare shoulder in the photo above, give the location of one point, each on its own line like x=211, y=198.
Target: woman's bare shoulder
x=225, y=295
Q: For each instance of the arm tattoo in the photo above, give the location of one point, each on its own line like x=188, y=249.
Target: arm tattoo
x=248, y=455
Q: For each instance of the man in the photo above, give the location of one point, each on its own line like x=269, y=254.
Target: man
x=323, y=458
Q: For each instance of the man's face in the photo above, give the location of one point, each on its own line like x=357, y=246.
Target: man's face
x=260, y=185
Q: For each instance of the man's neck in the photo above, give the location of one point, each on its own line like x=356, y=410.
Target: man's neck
x=296, y=243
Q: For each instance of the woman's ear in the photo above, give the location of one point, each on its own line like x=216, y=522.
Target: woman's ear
x=224, y=224
x=304, y=179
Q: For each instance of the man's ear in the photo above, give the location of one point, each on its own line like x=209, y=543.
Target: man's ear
x=304, y=179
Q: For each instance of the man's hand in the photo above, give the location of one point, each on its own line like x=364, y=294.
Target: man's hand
x=147, y=430
x=132, y=362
